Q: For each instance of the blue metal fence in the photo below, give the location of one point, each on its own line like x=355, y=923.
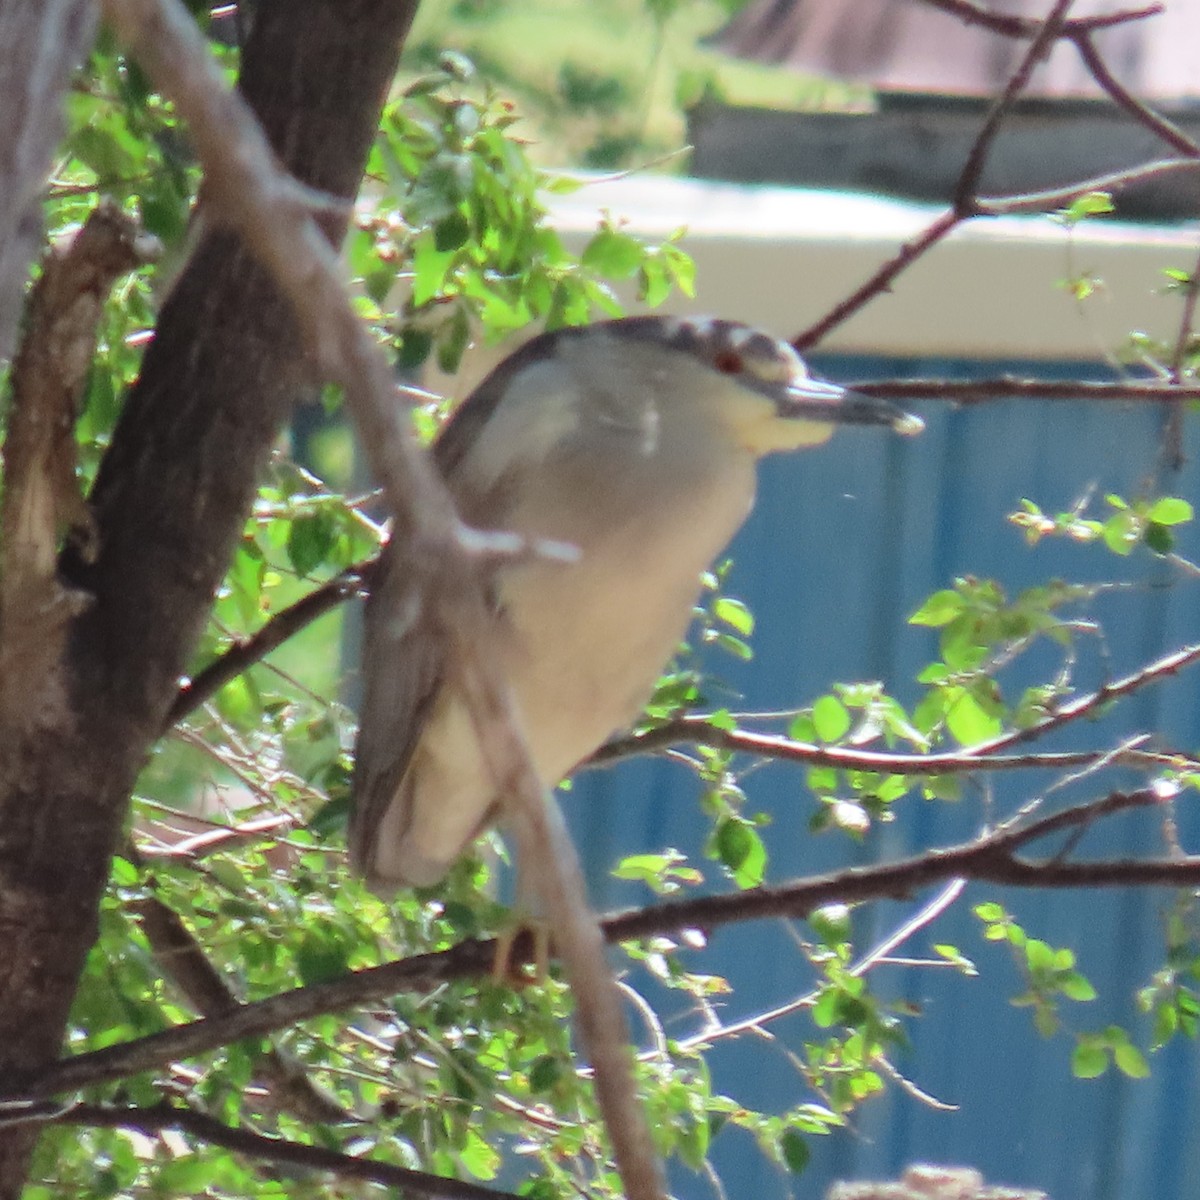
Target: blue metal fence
x=844, y=543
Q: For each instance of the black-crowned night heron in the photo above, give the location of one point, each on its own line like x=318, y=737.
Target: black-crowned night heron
x=634, y=441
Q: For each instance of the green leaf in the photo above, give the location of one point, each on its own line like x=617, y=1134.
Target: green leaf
x=613, y=254
x=742, y=852
x=1089, y=1060
x=320, y=958
x=1159, y=538
x=968, y=722
x=1170, y=510
x=940, y=609
x=735, y=614
x=545, y=1073
x=452, y=340
x=830, y=718
x=1121, y=532
x=1077, y=987
x=310, y=540
x=794, y=1151
x=1130, y=1060
x=451, y=232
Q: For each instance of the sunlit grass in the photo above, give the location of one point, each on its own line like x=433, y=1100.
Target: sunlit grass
x=603, y=85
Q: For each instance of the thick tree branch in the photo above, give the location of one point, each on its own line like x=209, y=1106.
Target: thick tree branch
x=990, y=858
x=282, y=1151
x=183, y=961
x=42, y=497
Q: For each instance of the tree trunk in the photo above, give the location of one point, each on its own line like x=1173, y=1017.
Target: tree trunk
x=174, y=489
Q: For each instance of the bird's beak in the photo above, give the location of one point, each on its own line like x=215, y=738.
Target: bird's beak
x=817, y=400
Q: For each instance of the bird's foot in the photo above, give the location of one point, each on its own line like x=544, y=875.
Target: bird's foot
x=522, y=952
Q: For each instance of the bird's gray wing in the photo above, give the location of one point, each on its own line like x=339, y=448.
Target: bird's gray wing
x=403, y=664
x=404, y=657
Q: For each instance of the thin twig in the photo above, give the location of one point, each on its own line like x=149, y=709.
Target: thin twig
x=701, y=731
x=1171, y=450
x=880, y=953
x=1113, y=181
x=1168, y=131
x=967, y=187
x=880, y=281
x=1006, y=25
x=281, y=626
x=1011, y=387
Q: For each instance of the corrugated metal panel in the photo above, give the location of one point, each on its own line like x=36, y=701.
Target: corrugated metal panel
x=843, y=545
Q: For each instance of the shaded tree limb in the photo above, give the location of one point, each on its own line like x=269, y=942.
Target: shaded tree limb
x=282, y=1151
x=246, y=189
x=992, y=858
x=183, y=961
x=170, y=500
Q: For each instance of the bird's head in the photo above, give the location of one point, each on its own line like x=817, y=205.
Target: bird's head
x=756, y=386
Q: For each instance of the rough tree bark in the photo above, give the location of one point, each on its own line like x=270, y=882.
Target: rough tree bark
x=217, y=384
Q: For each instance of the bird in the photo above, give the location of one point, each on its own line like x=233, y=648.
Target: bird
x=632, y=441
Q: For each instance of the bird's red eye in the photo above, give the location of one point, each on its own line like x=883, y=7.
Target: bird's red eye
x=728, y=362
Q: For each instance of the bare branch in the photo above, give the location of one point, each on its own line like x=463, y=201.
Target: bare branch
x=282, y=625
x=1010, y=387
x=989, y=858
x=699, y=730
x=1168, y=131
x=880, y=281
x=971, y=13
x=1115, y=181
x=967, y=203
x=162, y=1117
x=967, y=187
